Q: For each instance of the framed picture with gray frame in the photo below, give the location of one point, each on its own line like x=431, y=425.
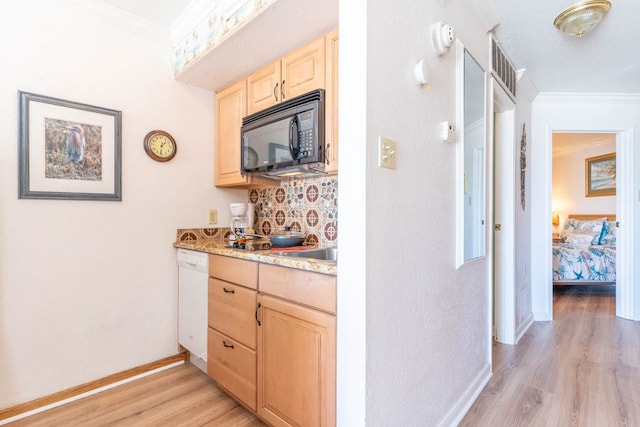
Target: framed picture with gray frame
x=68, y=150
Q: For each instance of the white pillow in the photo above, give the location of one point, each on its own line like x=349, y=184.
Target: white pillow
x=579, y=237
x=582, y=226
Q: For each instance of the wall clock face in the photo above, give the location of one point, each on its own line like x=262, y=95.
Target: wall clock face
x=160, y=146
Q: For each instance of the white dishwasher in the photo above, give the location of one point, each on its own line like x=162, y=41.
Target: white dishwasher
x=193, y=276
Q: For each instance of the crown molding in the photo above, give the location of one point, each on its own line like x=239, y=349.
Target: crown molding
x=127, y=21
x=577, y=98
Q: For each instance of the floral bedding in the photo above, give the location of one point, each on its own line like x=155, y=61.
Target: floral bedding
x=595, y=262
x=587, y=251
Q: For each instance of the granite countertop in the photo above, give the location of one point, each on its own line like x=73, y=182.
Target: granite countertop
x=221, y=247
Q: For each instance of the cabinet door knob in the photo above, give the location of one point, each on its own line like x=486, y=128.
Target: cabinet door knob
x=275, y=91
x=282, y=91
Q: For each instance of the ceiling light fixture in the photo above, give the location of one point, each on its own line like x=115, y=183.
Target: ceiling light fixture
x=582, y=17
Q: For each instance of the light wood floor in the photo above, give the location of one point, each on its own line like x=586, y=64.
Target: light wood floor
x=582, y=369
x=180, y=396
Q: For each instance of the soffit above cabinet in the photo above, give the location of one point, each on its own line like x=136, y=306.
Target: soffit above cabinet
x=280, y=28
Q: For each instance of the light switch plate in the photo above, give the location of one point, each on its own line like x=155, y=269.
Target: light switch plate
x=386, y=153
x=213, y=216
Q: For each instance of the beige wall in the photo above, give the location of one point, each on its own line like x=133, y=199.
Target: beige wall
x=90, y=288
x=570, y=152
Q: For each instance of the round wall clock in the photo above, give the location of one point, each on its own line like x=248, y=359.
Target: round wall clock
x=160, y=146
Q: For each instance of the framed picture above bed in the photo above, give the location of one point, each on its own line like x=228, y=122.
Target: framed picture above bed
x=600, y=175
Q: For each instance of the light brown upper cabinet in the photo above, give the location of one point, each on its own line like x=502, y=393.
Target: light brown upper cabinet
x=313, y=66
x=231, y=107
x=331, y=102
x=299, y=72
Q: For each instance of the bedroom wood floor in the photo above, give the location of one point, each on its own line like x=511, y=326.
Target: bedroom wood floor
x=582, y=369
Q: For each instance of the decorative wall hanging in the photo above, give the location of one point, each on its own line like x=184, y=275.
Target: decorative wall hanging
x=600, y=175
x=68, y=150
x=523, y=165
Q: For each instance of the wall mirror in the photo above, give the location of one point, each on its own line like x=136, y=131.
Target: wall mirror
x=470, y=158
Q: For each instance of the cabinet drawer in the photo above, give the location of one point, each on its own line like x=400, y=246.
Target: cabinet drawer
x=232, y=311
x=233, y=366
x=234, y=270
x=312, y=289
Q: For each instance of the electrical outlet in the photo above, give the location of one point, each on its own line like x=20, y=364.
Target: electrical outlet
x=387, y=153
x=213, y=216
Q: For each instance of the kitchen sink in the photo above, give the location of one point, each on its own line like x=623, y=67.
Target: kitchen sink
x=323, y=254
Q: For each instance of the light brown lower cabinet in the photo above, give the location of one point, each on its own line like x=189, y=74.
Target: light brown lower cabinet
x=231, y=340
x=233, y=366
x=272, y=340
x=296, y=364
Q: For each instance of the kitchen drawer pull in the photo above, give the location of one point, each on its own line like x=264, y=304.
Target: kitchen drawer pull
x=224, y=343
x=258, y=308
x=228, y=291
x=275, y=94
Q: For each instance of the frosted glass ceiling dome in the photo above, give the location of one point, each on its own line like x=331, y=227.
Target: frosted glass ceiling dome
x=582, y=17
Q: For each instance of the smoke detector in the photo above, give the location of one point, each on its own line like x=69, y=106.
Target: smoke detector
x=442, y=37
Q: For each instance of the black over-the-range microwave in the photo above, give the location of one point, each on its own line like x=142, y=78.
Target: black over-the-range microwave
x=287, y=139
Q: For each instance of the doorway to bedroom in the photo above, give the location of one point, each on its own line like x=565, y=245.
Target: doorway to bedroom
x=583, y=217
x=618, y=114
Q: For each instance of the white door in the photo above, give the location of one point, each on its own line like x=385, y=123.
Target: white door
x=504, y=218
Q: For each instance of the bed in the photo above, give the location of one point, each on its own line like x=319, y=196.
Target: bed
x=585, y=252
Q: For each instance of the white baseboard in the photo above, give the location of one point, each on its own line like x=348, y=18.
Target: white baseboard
x=542, y=316
x=457, y=413
x=524, y=327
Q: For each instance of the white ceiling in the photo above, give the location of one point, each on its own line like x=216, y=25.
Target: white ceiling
x=568, y=143
x=604, y=60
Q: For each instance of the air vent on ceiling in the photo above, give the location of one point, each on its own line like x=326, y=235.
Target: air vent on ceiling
x=502, y=69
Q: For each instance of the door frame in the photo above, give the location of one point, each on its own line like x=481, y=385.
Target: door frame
x=583, y=113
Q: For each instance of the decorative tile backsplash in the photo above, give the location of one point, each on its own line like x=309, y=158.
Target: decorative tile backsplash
x=197, y=234
x=309, y=205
